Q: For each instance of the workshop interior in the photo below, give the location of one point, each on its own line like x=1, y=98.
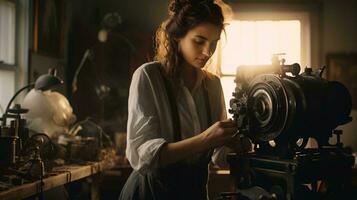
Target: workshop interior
x=288, y=70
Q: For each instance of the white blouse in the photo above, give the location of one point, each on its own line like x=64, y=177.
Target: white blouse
x=150, y=119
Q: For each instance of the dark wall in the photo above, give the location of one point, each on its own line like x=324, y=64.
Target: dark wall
x=340, y=37
x=340, y=26
x=140, y=15
x=104, y=79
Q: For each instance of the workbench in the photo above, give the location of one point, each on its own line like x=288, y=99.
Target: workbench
x=59, y=176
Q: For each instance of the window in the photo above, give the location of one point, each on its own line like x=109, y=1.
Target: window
x=7, y=52
x=7, y=32
x=253, y=40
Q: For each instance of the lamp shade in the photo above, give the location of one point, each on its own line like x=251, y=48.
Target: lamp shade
x=47, y=81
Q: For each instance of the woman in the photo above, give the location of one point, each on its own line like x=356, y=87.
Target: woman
x=177, y=121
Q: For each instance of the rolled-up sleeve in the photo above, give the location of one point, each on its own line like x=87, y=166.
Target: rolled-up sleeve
x=143, y=130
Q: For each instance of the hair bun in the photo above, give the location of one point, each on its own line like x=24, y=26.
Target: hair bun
x=176, y=5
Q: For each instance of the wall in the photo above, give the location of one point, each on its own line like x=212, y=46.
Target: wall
x=104, y=79
x=340, y=36
x=339, y=26
x=139, y=15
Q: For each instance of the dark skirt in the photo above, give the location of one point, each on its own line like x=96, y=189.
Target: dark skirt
x=176, y=182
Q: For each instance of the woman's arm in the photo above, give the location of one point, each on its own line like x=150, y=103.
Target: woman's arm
x=216, y=135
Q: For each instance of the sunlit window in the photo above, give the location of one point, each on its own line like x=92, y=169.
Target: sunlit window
x=254, y=43
x=7, y=51
x=7, y=32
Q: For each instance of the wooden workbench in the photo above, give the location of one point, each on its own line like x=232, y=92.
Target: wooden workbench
x=59, y=176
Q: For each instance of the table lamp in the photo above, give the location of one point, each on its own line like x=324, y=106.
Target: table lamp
x=43, y=83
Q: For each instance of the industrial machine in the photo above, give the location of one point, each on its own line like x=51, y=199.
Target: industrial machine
x=290, y=117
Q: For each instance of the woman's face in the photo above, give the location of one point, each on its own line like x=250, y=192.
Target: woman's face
x=198, y=45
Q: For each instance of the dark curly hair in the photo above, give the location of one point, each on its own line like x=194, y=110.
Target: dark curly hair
x=183, y=16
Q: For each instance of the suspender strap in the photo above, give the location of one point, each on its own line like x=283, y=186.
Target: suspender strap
x=209, y=116
x=207, y=104
x=173, y=106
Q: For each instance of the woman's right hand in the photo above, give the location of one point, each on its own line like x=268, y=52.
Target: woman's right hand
x=220, y=133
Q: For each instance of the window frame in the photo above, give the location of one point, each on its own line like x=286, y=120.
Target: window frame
x=312, y=9
x=305, y=45
x=7, y=67
x=303, y=17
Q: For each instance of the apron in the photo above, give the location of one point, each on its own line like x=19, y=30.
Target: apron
x=178, y=181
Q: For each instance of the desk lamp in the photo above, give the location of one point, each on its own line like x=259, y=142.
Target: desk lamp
x=9, y=144
x=43, y=83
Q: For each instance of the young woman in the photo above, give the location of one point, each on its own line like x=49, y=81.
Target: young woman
x=177, y=121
